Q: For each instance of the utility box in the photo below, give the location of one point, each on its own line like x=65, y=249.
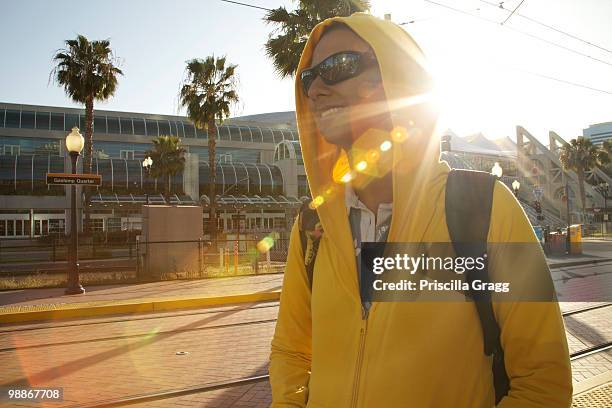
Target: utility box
x=170, y=242
x=575, y=239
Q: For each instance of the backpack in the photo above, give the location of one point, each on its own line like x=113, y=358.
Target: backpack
x=469, y=198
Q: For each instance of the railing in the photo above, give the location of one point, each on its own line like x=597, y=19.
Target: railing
x=194, y=259
x=32, y=263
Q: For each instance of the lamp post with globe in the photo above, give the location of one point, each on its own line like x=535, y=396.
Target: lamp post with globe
x=516, y=185
x=146, y=164
x=74, y=145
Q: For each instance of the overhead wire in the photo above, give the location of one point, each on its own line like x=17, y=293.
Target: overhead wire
x=246, y=5
x=513, y=11
x=500, y=5
x=518, y=31
x=485, y=19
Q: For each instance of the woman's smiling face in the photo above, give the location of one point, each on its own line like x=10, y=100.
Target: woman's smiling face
x=344, y=111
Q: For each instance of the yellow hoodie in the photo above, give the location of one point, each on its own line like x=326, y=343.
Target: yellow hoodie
x=404, y=354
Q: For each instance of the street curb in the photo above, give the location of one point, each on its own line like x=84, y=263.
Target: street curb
x=577, y=263
x=90, y=309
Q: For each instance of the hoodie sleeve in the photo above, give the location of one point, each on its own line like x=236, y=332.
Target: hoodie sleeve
x=532, y=333
x=291, y=345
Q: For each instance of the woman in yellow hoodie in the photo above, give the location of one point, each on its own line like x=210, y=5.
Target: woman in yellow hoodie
x=331, y=349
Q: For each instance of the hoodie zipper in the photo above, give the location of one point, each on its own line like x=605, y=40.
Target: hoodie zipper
x=362, y=336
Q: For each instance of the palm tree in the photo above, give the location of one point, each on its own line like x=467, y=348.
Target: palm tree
x=605, y=157
x=580, y=155
x=286, y=43
x=168, y=157
x=208, y=91
x=87, y=72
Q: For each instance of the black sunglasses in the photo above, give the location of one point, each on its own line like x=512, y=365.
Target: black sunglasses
x=337, y=68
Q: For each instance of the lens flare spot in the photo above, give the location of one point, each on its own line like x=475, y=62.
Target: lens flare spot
x=265, y=244
x=399, y=134
x=361, y=166
x=347, y=177
x=372, y=156
x=384, y=146
x=341, y=167
x=316, y=202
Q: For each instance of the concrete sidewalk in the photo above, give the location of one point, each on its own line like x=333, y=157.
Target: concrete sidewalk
x=52, y=303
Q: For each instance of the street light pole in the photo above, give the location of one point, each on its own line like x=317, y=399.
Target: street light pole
x=74, y=145
x=147, y=163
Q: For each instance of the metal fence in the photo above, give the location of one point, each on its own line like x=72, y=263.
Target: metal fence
x=206, y=259
x=132, y=260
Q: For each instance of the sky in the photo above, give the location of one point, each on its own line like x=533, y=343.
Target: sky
x=489, y=76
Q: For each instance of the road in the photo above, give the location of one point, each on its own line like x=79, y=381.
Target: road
x=169, y=357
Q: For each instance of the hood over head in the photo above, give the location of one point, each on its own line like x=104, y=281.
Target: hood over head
x=414, y=154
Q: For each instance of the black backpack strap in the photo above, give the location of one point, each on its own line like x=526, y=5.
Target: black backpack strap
x=469, y=199
x=309, y=227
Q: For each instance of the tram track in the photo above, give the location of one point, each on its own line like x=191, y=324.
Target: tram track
x=174, y=393
x=237, y=382
x=135, y=336
x=195, y=329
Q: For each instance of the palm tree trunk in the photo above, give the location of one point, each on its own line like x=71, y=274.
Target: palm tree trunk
x=212, y=136
x=88, y=159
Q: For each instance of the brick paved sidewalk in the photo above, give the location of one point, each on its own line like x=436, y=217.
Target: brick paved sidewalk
x=24, y=299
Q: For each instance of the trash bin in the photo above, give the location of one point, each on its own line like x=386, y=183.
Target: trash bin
x=576, y=239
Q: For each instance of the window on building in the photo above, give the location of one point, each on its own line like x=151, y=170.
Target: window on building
x=12, y=118
x=126, y=154
x=189, y=130
x=113, y=125
x=180, y=128
x=57, y=226
x=152, y=128
x=10, y=228
x=100, y=124
x=164, y=127
x=126, y=126
x=2, y=228
x=19, y=227
x=96, y=224
x=225, y=158
x=42, y=120
x=57, y=121
x=11, y=150
x=139, y=127
x=27, y=119
x=113, y=224
x=71, y=121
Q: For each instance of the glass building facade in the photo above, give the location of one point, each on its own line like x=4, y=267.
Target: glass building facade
x=26, y=175
x=243, y=166
x=138, y=126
